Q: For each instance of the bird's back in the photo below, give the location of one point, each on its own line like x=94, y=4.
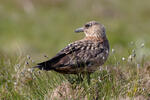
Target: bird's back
x=80, y=56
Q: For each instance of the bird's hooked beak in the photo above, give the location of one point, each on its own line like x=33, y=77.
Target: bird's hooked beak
x=79, y=30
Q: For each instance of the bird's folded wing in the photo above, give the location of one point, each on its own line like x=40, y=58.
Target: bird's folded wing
x=75, y=54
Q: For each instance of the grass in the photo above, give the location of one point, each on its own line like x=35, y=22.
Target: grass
x=122, y=78
x=30, y=31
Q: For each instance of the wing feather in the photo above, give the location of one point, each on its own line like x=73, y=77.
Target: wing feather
x=59, y=59
x=75, y=55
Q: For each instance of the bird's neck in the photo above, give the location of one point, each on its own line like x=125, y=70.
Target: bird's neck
x=94, y=38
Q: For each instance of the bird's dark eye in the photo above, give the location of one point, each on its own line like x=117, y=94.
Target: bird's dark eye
x=87, y=25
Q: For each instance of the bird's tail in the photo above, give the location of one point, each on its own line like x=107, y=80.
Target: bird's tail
x=50, y=64
x=44, y=66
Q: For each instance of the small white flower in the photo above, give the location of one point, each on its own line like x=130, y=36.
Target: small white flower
x=103, y=58
x=142, y=45
x=132, y=43
x=123, y=59
x=143, y=89
x=99, y=79
x=113, y=50
x=30, y=70
x=32, y=61
x=15, y=83
x=130, y=58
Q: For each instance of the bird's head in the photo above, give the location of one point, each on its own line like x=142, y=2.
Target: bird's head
x=93, y=29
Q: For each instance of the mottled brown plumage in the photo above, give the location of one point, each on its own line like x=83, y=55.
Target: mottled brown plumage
x=85, y=55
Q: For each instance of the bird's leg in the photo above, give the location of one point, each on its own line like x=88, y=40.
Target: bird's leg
x=88, y=78
x=80, y=78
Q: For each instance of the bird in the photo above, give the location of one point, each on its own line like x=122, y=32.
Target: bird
x=81, y=56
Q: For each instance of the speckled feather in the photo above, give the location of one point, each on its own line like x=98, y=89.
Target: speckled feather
x=85, y=55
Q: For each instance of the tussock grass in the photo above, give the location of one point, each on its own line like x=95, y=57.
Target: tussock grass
x=119, y=78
